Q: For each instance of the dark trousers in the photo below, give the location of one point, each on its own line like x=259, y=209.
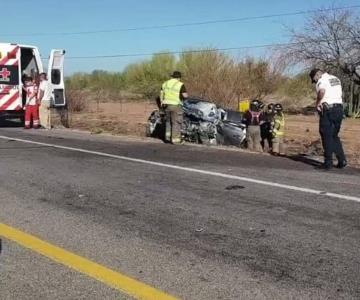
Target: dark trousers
x=174, y=119
x=330, y=124
x=266, y=136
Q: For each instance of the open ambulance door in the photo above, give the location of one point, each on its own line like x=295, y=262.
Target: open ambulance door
x=56, y=77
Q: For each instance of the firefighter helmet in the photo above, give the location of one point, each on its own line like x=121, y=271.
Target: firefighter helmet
x=270, y=106
x=261, y=105
x=255, y=105
x=278, y=107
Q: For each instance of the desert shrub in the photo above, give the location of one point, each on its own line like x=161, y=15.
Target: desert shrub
x=207, y=73
x=295, y=93
x=77, y=100
x=97, y=80
x=77, y=81
x=217, y=76
x=296, y=87
x=146, y=77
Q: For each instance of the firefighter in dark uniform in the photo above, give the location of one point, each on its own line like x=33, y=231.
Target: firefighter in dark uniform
x=266, y=128
x=253, y=118
x=330, y=108
x=172, y=94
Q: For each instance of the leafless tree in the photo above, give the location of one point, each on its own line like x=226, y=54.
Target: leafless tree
x=329, y=40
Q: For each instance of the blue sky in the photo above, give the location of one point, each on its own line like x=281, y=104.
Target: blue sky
x=53, y=16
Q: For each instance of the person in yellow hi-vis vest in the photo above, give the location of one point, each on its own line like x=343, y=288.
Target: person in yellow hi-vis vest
x=172, y=94
x=278, y=130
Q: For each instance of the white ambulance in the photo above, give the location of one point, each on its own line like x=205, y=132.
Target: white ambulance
x=18, y=61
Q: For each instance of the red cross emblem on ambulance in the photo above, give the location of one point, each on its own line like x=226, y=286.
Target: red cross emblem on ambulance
x=5, y=74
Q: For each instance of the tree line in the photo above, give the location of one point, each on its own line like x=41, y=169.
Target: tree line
x=328, y=40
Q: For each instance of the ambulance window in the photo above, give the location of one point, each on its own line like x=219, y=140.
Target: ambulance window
x=55, y=76
x=56, y=68
x=28, y=62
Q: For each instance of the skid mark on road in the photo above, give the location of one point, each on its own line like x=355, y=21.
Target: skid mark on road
x=114, y=279
x=193, y=170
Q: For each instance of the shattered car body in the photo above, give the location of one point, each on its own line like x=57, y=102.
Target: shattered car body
x=204, y=123
x=156, y=125
x=201, y=120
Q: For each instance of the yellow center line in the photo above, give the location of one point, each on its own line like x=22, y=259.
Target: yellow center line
x=114, y=279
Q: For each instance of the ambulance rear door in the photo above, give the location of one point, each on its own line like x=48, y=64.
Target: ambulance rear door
x=56, y=77
x=10, y=84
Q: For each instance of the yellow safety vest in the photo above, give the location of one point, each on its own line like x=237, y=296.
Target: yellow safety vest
x=171, y=92
x=279, y=127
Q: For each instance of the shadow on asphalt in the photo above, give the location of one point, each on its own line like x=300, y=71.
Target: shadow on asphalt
x=317, y=164
x=305, y=159
x=5, y=123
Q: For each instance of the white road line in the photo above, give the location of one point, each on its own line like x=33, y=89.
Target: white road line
x=193, y=170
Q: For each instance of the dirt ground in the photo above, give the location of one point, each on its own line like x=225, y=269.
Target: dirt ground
x=117, y=118
x=302, y=135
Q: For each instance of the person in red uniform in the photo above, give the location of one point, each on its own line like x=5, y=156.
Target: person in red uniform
x=31, y=105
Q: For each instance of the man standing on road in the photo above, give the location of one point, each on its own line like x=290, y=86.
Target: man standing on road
x=330, y=108
x=173, y=92
x=266, y=128
x=253, y=118
x=44, y=97
x=278, y=131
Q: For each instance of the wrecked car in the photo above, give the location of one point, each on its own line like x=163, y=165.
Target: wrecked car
x=232, y=131
x=203, y=123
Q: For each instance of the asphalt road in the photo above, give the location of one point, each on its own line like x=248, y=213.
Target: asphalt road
x=193, y=235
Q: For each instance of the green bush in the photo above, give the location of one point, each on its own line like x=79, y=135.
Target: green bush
x=97, y=80
x=146, y=77
x=296, y=87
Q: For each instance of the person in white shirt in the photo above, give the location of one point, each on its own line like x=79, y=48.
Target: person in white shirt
x=329, y=105
x=44, y=98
